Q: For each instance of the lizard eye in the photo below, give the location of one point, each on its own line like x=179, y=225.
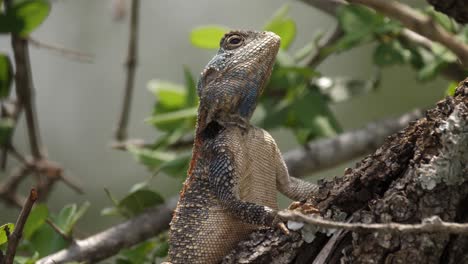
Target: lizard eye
x=234, y=41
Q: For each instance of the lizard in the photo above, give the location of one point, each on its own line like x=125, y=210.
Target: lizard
x=236, y=168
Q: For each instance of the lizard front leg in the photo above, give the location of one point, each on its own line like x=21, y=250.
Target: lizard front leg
x=294, y=188
x=224, y=180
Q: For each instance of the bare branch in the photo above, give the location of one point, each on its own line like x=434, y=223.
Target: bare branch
x=15, y=237
x=121, y=130
x=72, y=54
x=432, y=225
x=326, y=153
x=108, y=242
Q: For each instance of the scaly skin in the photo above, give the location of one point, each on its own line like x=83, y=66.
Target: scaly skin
x=236, y=168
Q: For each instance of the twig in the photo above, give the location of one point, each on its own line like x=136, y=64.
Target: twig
x=108, y=242
x=59, y=231
x=432, y=225
x=10, y=185
x=15, y=237
x=121, y=130
x=329, y=40
x=72, y=54
x=419, y=23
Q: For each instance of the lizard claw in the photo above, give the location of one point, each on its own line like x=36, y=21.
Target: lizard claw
x=283, y=228
x=303, y=207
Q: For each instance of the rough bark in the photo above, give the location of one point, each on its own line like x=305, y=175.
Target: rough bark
x=419, y=172
x=457, y=9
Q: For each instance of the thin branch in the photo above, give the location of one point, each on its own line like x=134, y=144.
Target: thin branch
x=121, y=130
x=24, y=91
x=327, y=153
x=15, y=237
x=419, y=23
x=108, y=242
x=72, y=54
x=432, y=225
x=59, y=231
x=328, y=41
x=10, y=185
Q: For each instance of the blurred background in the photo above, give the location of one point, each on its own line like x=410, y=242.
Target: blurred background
x=78, y=103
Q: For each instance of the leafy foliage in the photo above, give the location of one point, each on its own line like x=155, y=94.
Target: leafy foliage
x=24, y=16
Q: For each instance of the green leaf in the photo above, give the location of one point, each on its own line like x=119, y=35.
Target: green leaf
x=359, y=24
x=6, y=75
x=5, y=230
x=283, y=26
x=6, y=128
x=191, y=87
x=390, y=53
x=311, y=117
x=358, y=19
x=69, y=215
x=178, y=166
x=46, y=240
x=277, y=113
x=451, y=89
x=36, y=219
x=24, y=17
x=136, y=202
x=151, y=158
x=441, y=19
x=207, y=37
x=170, y=96
x=164, y=120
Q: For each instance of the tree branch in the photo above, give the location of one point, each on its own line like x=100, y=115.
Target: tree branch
x=108, y=242
x=419, y=23
x=121, y=130
x=453, y=71
x=327, y=153
x=14, y=238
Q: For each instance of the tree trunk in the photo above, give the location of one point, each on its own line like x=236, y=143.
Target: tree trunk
x=457, y=9
x=419, y=172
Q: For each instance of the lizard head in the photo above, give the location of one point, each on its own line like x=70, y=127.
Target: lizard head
x=230, y=84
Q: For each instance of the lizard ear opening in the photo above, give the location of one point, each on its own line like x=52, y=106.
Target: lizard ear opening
x=212, y=130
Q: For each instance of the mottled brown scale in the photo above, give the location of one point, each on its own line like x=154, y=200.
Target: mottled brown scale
x=236, y=169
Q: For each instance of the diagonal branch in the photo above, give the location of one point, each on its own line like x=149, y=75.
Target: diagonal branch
x=453, y=71
x=14, y=238
x=419, y=23
x=326, y=153
x=108, y=242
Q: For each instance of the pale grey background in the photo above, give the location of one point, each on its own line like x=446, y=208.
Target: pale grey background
x=78, y=102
